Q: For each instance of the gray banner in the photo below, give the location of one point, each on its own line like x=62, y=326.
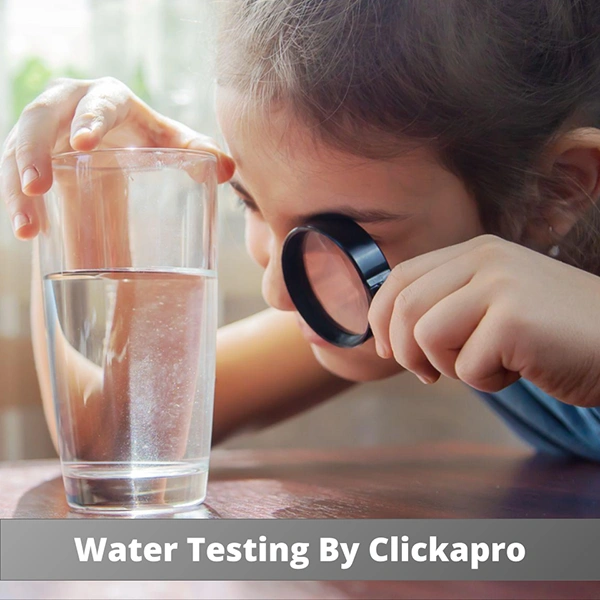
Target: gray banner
x=517, y=550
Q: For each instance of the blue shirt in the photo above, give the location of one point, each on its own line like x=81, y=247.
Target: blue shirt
x=547, y=424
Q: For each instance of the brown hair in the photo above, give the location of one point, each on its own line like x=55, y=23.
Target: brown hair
x=488, y=83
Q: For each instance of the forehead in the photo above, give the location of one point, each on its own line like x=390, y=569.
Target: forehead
x=277, y=156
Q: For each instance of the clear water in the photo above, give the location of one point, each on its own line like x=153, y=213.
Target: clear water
x=132, y=361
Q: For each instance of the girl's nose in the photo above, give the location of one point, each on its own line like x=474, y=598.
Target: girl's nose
x=274, y=290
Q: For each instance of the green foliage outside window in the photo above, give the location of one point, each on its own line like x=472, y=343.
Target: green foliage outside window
x=32, y=77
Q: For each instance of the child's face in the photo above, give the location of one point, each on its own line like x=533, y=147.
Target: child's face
x=410, y=205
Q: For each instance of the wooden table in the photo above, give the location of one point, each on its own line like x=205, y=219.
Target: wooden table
x=427, y=481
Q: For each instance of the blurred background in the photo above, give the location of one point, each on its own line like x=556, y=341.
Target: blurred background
x=163, y=49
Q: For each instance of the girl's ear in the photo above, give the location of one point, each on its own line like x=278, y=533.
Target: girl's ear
x=569, y=186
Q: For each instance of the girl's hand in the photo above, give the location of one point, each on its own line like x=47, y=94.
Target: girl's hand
x=82, y=115
x=487, y=312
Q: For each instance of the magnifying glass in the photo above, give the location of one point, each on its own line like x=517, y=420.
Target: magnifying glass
x=332, y=269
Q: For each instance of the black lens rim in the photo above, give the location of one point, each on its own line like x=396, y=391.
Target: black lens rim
x=362, y=251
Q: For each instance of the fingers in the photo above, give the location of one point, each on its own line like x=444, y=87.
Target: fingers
x=109, y=104
x=36, y=136
x=445, y=328
x=401, y=277
x=410, y=305
x=479, y=362
x=26, y=162
x=89, y=109
x=21, y=208
x=431, y=309
x=225, y=164
x=106, y=105
x=461, y=336
x=184, y=137
x=475, y=250
x=37, y=133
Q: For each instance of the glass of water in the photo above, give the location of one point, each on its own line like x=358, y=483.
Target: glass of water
x=128, y=263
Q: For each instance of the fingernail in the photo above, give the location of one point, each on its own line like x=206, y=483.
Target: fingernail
x=82, y=130
x=381, y=350
x=19, y=221
x=425, y=380
x=30, y=174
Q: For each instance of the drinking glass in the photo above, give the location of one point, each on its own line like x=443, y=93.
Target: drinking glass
x=128, y=263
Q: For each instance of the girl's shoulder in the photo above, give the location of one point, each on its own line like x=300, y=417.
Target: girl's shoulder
x=549, y=425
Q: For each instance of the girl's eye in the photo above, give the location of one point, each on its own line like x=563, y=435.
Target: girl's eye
x=240, y=203
x=244, y=204
x=377, y=238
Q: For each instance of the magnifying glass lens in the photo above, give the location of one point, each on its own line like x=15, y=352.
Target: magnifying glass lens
x=336, y=283
x=332, y=269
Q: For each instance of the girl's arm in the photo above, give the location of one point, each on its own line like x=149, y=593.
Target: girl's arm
x=266, y=371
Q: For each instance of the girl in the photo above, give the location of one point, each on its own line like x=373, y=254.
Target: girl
x=463, y=135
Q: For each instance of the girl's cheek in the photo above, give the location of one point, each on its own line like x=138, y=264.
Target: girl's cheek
x=258, y=240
